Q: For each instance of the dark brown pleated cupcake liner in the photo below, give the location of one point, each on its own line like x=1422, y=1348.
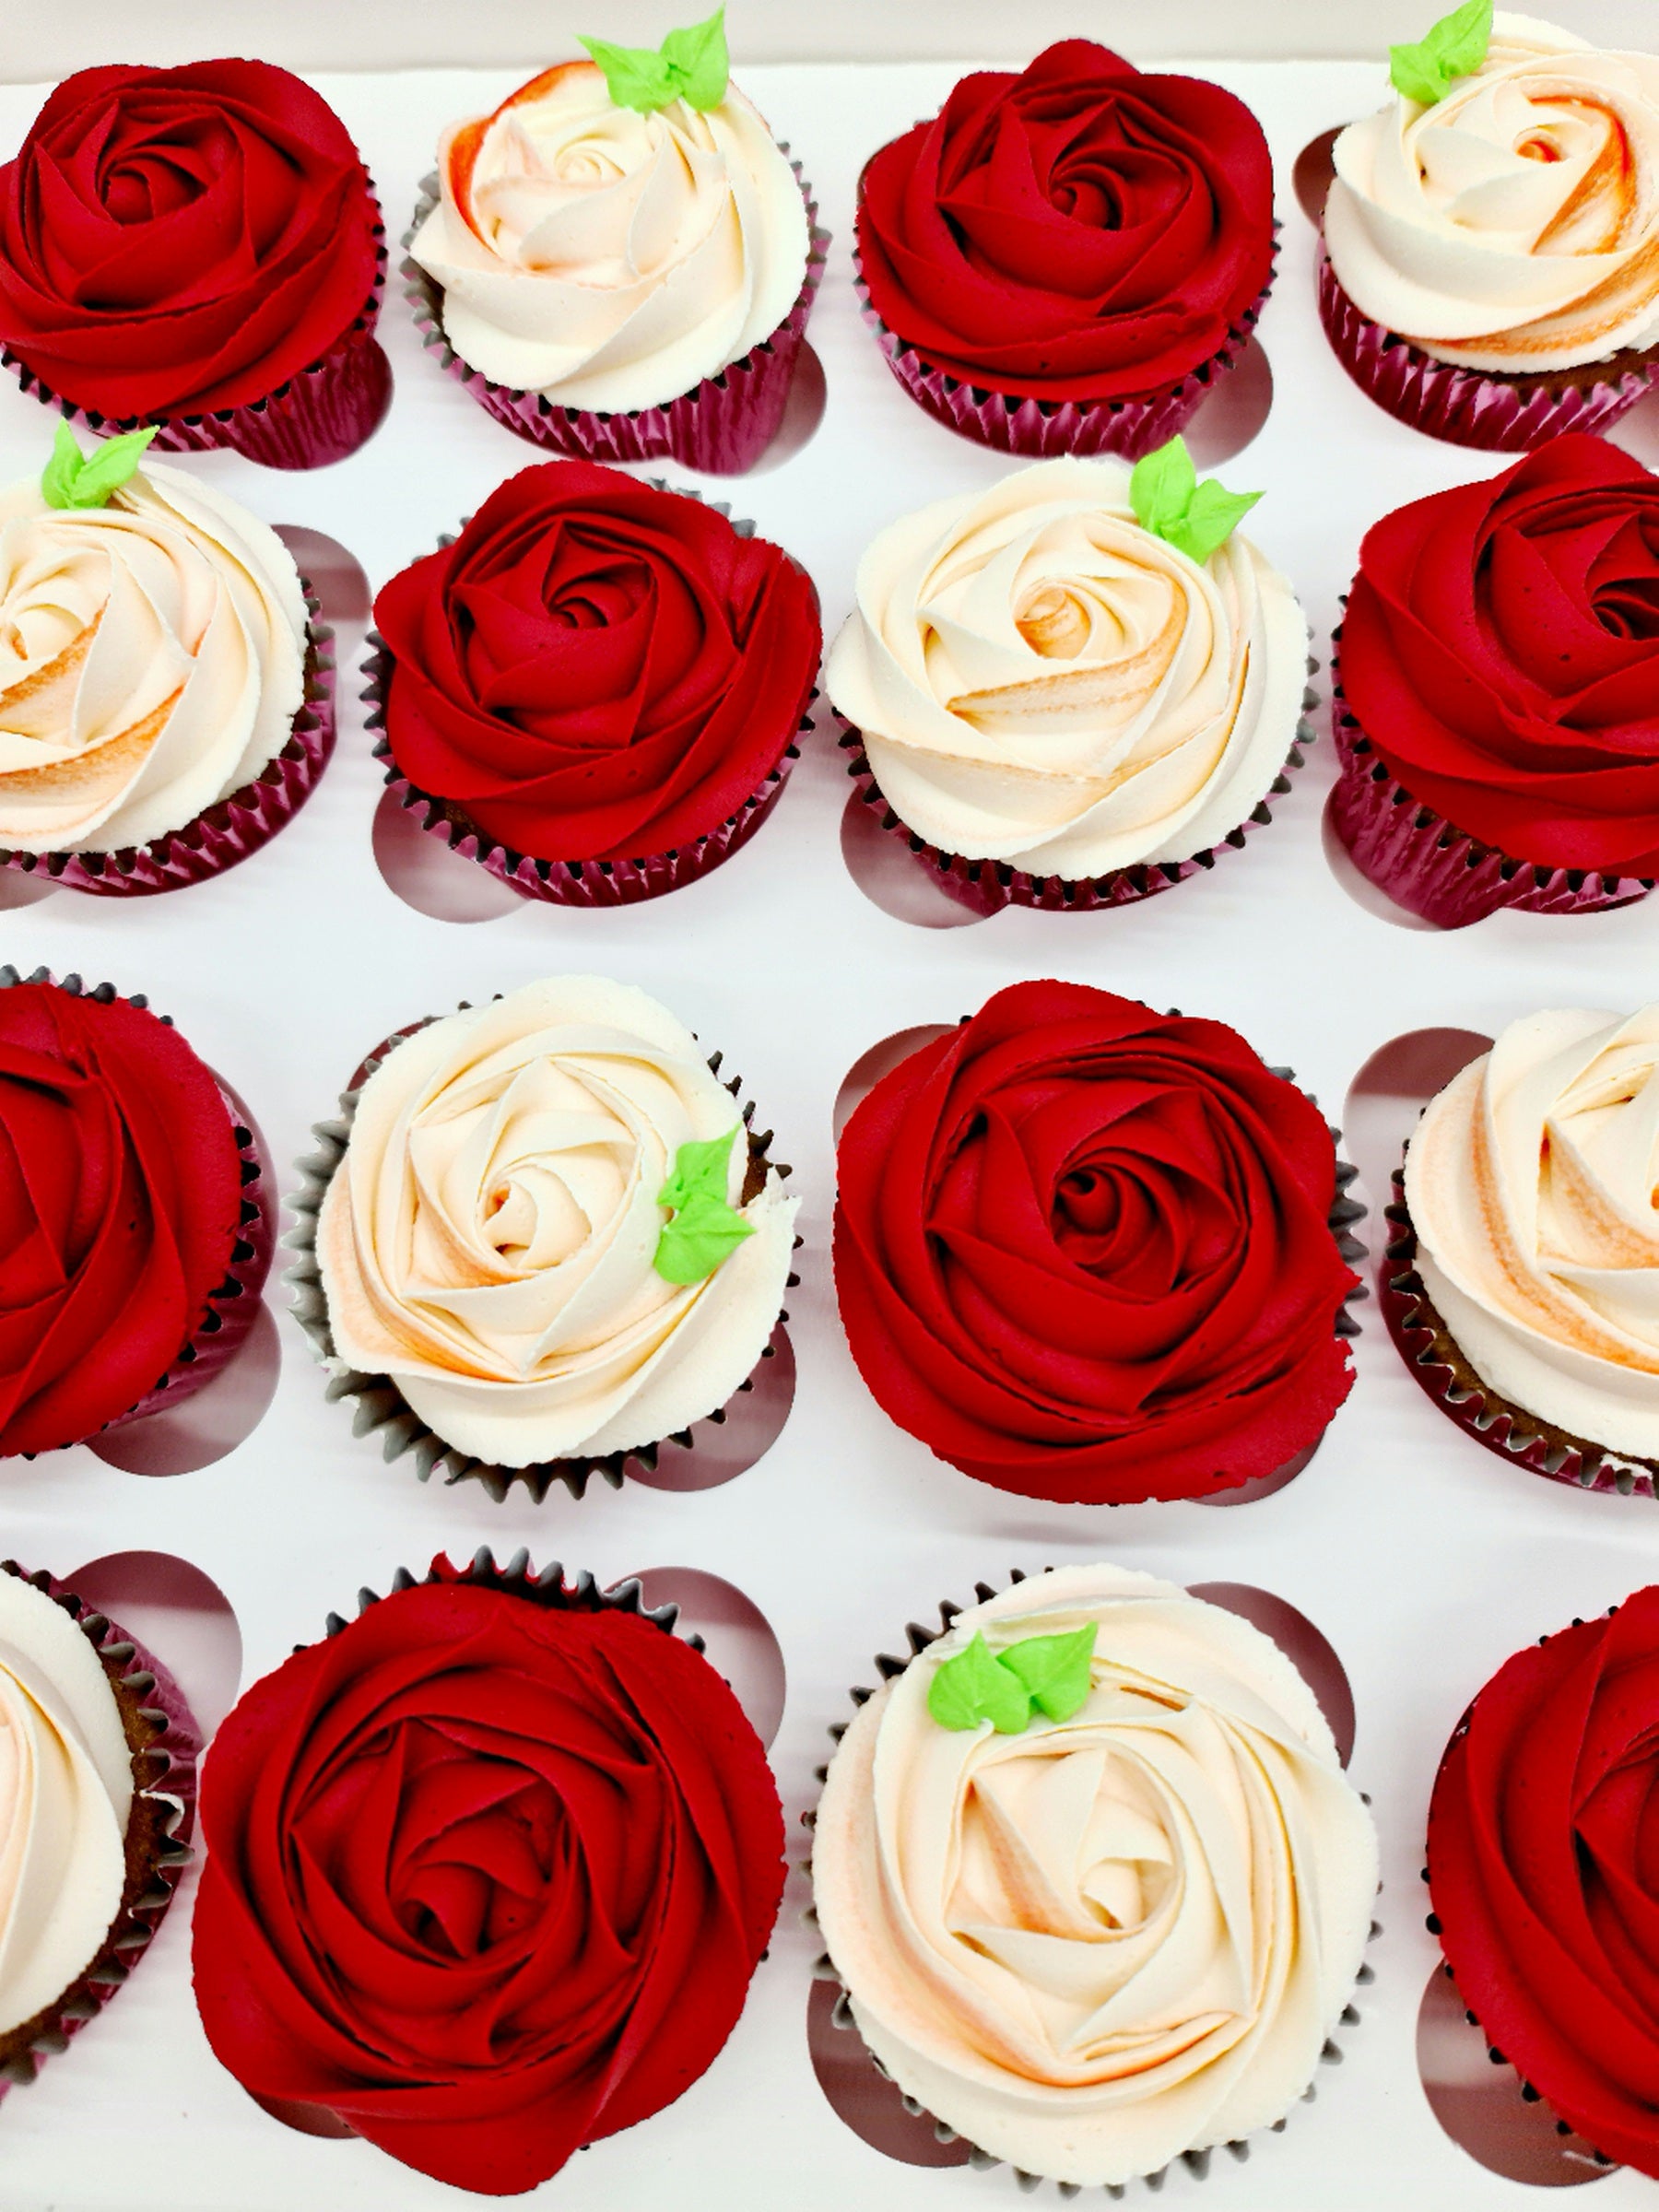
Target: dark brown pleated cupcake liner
x=380, y=1408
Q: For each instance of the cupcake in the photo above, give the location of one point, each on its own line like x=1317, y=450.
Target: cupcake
x=1540, y=1877
x=620, y=260
x=594, y=691
x=199, y=249
x=168, y=697
x=1066, y=261
x=1069, y=689
x=1523, y=1284
x=1491, y=270
x=135, y=1227
x=488, y=1872
x=1089, y=1252
x=97, y=1793
x=1497, y=707
x=543, y=1239
x=1092, y=1879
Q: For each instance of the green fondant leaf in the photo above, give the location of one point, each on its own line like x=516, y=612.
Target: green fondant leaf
x=1196, y=519
x=973, y=1687
x=700, y=1171
x=1453, y=47
x=74, y=479
x=699, y=53
x=1054, y=1669
x=692, y=66
x=1210, y=519
x=635, y=77
x=705, y=1228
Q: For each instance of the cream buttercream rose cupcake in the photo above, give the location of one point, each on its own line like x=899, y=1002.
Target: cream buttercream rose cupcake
x=1523, y=1284
x=546, y=1241
x=165, y=707
x=1069, y=689
x=619, y=261
x=97, y=1784
x=1092, y=1879
x=1491, y=265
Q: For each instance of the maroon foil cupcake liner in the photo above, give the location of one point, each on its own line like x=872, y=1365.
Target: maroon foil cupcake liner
x=1430, y=867
x=1042, y=429
x=232, y=1308
x=380, y=1408
x=324, y=413
x=167, y=1743
x=986, y=887
x=721, y=428
x=1434, y=1359
x=1460, y=405
x=231, y=828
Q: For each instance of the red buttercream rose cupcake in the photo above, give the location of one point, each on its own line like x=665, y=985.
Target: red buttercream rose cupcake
x=199, y=249
x=135, y=1229
x=1497, y=702
x=594, y=691
x=1065, y=261
x=1541, y=1872
x=1093, y=1254
x=488, y=1872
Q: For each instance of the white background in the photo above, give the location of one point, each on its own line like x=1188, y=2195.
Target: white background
x=1424, y=1559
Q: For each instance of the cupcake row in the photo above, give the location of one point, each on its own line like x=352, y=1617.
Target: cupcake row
x=490, y=1867
x=1083, y=1251
x=1070, y=690
x=619, y=260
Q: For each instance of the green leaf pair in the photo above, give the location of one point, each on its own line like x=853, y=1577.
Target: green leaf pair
x=74, y=479
x=1455, y=47
x=705, y=1228
x=1196, y=519
x=690, y=64
x=1050, y=1673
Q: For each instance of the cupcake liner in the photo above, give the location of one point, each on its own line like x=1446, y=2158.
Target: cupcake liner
x=987, y=885
x=1042, y=429
x=1433, y=869
x=233, y=1307
x=163, y=1732
x=1499, y=414
x=231, y=828
x=1433, y=1358
x=721, y=428
x=549, y=1590
x=591, y=883
x=320, y=416
x=1195, y=2162
x=381, y=1409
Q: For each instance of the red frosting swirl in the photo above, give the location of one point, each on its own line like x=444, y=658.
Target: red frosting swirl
x=1079, y=232
x=1500, y=651
x=1082, y=1251
x=596, y=669
x=485, y=1877
x=119, y=1200
x=1544, y=1872
x=174, y=240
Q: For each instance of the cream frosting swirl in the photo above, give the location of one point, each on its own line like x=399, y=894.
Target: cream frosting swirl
x=152, y=660
x=488, y=1239
x=1102, y=1942
x=1041, y=681
x=1531, y=1182
x=610, y=259
x=65, y=1793
x=1513, y=225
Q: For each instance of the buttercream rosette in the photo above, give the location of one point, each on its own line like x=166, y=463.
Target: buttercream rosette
x=483, y=1230
x=1496, y=709
x=198, y=249
x=1069, y=258
x=1095, y=1944
x=1538, y=1874
x=98, y=1752
x=489, y=1870
x=1523, y=1284
x=1057, y=707
x=1490, y=267
x=614, y=283
x=166, y=698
